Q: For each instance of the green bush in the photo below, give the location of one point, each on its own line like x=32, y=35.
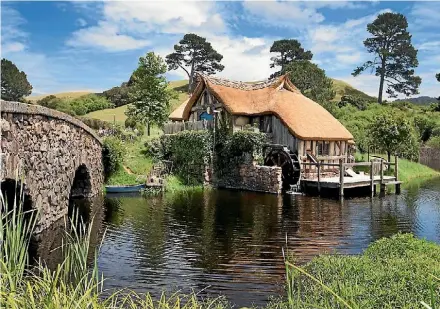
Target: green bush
x=355, y=101
x=92, y=102
x=130, y=122
x=112, y=155
x=434, y=142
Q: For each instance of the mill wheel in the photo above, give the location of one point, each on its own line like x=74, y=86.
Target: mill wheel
x=289, y=163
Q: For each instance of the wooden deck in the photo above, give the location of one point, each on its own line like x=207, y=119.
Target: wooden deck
x=354, y=180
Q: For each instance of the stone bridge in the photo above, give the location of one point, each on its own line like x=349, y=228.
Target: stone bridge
x=54, y=155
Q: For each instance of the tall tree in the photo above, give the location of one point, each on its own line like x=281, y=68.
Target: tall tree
x=311, y=80
x=395, y=56
x=148, y=93
x=194, y=54
x=14, y=82
x=289, y=51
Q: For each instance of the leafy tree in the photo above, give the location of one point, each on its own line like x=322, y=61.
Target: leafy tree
x=148, y=94
x=395, y=56
x=289, y=51
x=14, y=82
x=394, y=134
x=311, y=80
x=118, y=95
x=424, y=125
x=194, y=54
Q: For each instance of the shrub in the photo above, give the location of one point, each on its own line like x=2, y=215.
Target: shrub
x=356, y=101
x=112, y=155
x=92, y=102
x=434, y=142
x=130, y=122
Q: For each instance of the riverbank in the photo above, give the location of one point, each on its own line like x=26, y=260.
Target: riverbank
x=409, y=171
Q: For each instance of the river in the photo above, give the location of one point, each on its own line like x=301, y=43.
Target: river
x=221, y=242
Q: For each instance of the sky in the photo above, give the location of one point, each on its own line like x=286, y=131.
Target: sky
x=77, y=46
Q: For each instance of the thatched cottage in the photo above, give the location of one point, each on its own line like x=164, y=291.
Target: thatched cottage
x=276, y=107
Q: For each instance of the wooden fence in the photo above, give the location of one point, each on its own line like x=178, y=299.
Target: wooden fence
x=176, y=127
x=430, y=157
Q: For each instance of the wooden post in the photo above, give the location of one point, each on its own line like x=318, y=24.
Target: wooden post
x=341, y=178
x=396, y=174
x=382, y=185
x=372, y=187
x=319, y=177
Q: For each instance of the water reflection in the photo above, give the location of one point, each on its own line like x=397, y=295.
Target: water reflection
x=229, y=242
x=47, y=245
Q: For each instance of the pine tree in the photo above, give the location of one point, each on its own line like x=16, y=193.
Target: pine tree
x=395, y=56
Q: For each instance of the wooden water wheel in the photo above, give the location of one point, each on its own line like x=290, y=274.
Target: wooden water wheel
x=291, y=168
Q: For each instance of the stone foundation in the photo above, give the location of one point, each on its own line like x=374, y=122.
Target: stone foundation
x=250, y=176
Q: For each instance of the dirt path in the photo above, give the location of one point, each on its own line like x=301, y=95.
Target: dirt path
x=129, y=171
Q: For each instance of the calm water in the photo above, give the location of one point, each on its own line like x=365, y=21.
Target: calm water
x=229, y=242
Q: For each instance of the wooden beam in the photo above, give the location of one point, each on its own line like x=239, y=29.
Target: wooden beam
x=341, y=178
x=319, y=177
x=372, y=186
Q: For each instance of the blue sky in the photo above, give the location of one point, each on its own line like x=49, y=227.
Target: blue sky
x=68, y=46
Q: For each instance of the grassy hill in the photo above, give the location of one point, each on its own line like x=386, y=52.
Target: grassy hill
x=118, y=114
x=61, y=95
x=342, y=88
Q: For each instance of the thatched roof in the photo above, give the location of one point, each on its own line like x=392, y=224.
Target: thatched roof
x=305, y=118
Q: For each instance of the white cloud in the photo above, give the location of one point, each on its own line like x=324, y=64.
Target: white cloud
x=129, y=25
x=81, y=22
x=283, y=14
x=430, y=46
x=106, y=36
x=12, y=47
x=426, y=14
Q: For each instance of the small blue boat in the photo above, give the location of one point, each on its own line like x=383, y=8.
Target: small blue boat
x=124, y=189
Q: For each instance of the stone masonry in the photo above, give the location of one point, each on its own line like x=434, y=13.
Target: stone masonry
x=248, y=175
x=47, y=149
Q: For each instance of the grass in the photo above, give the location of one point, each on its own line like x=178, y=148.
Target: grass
x=342, y=88
x=397, y=272
x=137, y=164
x=118, y=114
x=409, y=171
x=61, y=95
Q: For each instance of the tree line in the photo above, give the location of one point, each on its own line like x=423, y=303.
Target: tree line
x=394, y=60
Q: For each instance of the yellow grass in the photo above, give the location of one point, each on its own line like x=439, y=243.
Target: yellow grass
x=118, y=114
x=342, y=88
x=61, y=95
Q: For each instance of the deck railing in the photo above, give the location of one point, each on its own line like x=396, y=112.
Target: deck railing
x=176, y=127
x=373, y=164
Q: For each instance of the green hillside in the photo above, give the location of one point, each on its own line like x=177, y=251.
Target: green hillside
x=118, y=114
x=61, y=95
x=342, y=88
